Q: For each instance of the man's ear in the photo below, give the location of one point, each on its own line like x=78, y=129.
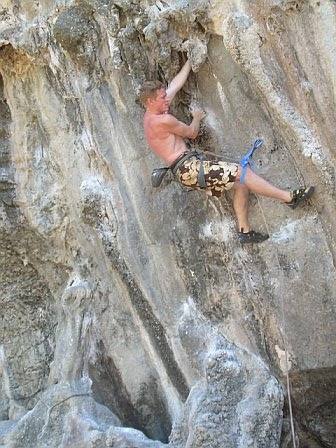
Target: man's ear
x=150, y=101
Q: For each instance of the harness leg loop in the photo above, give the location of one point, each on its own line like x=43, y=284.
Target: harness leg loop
x=201, y=176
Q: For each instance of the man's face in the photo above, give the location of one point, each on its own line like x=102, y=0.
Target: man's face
x=160, y=102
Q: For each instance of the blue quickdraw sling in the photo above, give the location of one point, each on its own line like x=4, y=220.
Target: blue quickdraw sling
x=246, y=160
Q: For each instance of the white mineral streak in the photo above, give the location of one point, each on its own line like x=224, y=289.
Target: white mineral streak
x=287, y=232
x=285, y=365
x=220, y=231
x=222, y=97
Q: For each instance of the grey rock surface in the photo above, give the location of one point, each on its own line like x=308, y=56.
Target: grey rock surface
x=131, y=317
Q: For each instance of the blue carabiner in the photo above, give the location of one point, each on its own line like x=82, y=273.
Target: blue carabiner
x=247, y=159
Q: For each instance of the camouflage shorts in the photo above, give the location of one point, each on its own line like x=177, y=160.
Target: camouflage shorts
x=218, y=175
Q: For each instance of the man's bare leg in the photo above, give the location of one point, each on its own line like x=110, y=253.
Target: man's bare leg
x=240, y=206
x=260, y=186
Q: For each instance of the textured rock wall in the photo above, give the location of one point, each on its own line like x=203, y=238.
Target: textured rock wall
x=130, y=316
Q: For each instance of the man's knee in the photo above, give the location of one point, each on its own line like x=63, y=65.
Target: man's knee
x=240, y=187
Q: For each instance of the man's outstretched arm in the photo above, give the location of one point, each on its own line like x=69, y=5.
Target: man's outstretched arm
x=178, y=82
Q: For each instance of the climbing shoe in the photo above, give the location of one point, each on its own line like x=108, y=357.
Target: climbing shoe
x=252, y=237
x=300, y=195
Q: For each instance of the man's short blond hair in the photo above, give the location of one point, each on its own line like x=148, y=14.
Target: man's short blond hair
x=149, y=90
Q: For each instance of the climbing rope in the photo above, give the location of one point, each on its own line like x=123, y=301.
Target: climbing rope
x=302, y=182
x=284, y=339
x=245, y=162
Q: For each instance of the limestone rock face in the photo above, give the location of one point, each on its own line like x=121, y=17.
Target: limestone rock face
x=131, y=316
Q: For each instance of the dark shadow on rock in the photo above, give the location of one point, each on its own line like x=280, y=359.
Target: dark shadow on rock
x=148, y=415
x=314, y=396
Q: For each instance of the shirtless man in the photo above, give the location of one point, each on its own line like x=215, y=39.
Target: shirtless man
x=165, y=135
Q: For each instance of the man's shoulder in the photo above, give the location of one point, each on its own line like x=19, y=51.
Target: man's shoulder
x=162, y=119
x=166, y=119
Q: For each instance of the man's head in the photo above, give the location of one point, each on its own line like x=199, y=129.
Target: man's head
x=154, y=97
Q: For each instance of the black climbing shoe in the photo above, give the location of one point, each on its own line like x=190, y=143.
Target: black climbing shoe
x=300, y=195
x=252, y=237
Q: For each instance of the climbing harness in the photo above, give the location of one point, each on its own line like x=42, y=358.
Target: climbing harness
x=246, y=160
x=158, y=174
x=201, y=175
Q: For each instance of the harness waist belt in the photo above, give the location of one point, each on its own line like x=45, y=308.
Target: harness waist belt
x=159, y=173
x=185, y=156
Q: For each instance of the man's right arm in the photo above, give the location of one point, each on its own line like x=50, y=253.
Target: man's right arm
x=174, y=126
x=178, y=82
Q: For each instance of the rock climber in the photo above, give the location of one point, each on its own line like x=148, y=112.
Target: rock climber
x=197, y=170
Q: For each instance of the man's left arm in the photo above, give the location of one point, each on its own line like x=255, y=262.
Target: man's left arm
x=178, y=82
